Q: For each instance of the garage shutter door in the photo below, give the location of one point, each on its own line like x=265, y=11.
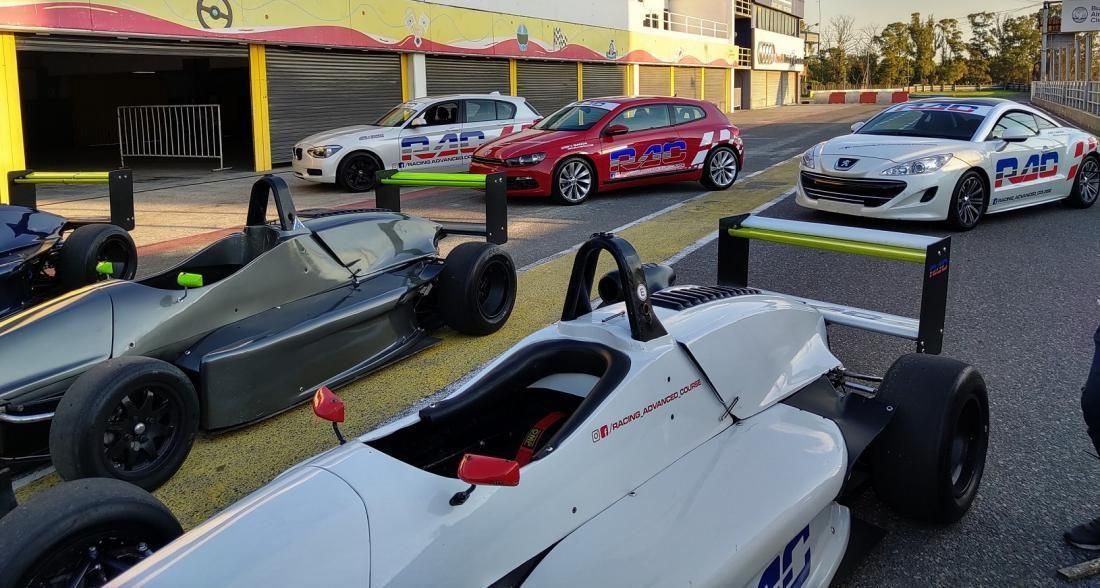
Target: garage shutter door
x=759, y=91
x=791, y=94
x=775, y=92
x=313, y=91
x=603, y=79
x=66, y=44
x=466, y=75
x=688, y=82
x=654, y=80
x=714, y=87
x=547, y=85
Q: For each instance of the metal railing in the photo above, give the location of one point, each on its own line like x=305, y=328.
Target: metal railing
x=684, y=23
x=187, y=131
x=1083, y=96
x=744, y=57
x=742, y=8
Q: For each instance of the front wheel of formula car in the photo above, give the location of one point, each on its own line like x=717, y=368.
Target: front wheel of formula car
x=720, y=169
x=1086, y=186
x=477, y=288
x=82, y=533
x=574, y=181
x=92, y=252
x=356, y=172
x=928, y=462
x=130, y=418
x=969, y=201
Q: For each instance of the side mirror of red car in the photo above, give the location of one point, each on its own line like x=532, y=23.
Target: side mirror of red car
x=537, y=120
x=330, y=407
x=613, y=130
x=482, y=470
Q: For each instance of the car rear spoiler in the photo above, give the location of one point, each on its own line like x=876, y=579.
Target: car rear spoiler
x=387, y=194
x=22, y=186
x=735, y=233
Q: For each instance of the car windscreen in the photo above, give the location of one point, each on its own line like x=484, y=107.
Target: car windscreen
x=933, y=121
x=397, y=116
x=577, y=117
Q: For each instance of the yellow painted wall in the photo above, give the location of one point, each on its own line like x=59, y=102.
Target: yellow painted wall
x=261, y=119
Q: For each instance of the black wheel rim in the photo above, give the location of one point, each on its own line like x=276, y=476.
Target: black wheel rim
x=492, y=290
x=966, y=448
x=93, y=558
x=359, y=174
x=1089, y=181
x=116, y=250
x=971, y=201
x=141, y=431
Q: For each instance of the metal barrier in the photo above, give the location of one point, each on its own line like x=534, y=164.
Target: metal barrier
x=188, y=131
x=685, y=23
x=1082, y=96
x=387, y=194
x=22, y=186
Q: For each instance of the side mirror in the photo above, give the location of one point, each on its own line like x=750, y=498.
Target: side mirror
x=613, y=130
x=105, y=268
x=482, y=470
x=1016, y=136
x=186, y=280
x=856, y=126
x=328, y=406
x=419, y=121
x=537, y=120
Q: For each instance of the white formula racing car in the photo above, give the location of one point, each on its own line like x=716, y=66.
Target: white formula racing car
x=683, y=436
x=950, y=159
x=427, y=134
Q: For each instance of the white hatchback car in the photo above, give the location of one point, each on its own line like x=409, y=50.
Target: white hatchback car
x=425, y=134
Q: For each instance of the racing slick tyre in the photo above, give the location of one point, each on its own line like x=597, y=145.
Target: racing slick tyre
x=969, y=201
x=574, y=181
x=356, y=172
x=1086, y=186
x=477, y=288
x=720, y=169
x=89, y=245
x=928, y=462
x=82, y=533
x=130, y=418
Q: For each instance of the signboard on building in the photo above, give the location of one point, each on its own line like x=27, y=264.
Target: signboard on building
x=1080, y=16
x=777, y=52
x=795, y=7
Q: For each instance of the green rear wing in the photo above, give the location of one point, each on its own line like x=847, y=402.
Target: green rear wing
x=23, y=188
x=932, y=253
x=387, y=194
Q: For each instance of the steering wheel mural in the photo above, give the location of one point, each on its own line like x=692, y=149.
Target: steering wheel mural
x=214, y=14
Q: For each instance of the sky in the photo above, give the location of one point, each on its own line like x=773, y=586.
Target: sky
x=883, y=12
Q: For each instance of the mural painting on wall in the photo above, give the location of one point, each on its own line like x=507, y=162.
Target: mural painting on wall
x=399, y=25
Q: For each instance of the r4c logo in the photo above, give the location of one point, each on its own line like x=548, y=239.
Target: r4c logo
x=788, y=570
x=449, y=145
x=627, y=159
x=1038, y=166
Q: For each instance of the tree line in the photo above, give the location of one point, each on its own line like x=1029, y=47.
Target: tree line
x=999, y=49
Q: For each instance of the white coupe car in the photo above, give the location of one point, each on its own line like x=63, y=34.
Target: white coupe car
x=951, y=159
x=684, y=436
x=426, y=134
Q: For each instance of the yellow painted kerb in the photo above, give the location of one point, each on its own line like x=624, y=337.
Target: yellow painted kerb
x=513, y=78
x=261, y=119
x=11, y=117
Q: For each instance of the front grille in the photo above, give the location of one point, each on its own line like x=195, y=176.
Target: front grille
x=683, y=298
x=869, y=193
x=487, y=160
x=298, y=153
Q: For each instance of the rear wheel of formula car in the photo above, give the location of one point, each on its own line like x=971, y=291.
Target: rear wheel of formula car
x=969, y=201
x=477, y=288
x=82, y=533
x=929, y=461
x=356, y=172
x=574, y=181
x=720, y=169
x=130, y=418
x=1086, y=186
x=88, y=250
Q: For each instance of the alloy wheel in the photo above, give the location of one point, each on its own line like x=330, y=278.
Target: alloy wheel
x=360, y=174
x=574, y=181
x=92, y=559
x=971, y=201
x=141, y=430
x=1089, y=180
x=723, y=167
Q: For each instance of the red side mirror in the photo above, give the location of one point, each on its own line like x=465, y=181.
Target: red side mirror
x=482, y=470
x=327, y=405
x=613, y=130
x=537, y=121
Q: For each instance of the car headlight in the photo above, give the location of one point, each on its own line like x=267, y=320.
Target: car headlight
x=923, y=165
x=529, y=159
x=809, y=158
x=323, y=151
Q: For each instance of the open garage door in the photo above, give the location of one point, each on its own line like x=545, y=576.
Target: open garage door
x=654, y=80
x=547, y=85
x=604, y=79
x=466, y=75
x=312, y=91
x=689, y=82
x=71, y=88
x=714, y=87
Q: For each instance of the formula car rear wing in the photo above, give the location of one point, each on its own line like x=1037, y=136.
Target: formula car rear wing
x=387, y=194
x=22, y=186
x=735, y=233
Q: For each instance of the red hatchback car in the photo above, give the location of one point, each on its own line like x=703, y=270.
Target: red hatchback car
x=618, y=142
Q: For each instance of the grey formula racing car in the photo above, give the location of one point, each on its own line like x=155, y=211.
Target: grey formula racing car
x=119, y=376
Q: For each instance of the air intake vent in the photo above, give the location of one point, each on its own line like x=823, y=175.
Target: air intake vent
x=682, y=298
